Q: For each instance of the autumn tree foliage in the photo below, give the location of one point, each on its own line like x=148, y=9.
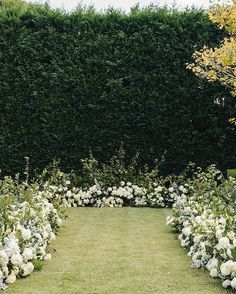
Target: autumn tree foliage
x=219, y=64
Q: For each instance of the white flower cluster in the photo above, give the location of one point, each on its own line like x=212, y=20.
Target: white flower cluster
x=206, y=221
x=160, y=196
x=26, y=229
x=203, y=213
x=29, y=222
x=125, y=194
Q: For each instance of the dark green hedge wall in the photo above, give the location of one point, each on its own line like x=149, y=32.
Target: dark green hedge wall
x=70, y=82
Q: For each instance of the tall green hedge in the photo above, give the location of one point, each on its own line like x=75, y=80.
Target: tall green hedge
x=87, y=80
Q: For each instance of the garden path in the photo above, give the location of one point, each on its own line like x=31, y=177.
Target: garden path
x=117, y=251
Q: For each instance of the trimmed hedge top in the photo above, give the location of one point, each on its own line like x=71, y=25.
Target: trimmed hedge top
x=87, y=80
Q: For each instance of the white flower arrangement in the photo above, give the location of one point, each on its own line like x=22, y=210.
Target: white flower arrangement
x=25, y=232
x=204, y=214
x=125, y=194
x=206, y=220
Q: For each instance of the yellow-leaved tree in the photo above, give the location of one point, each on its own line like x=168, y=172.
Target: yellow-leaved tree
x=219, y=64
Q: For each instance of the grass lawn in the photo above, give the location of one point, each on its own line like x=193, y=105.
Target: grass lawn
x=118, y=251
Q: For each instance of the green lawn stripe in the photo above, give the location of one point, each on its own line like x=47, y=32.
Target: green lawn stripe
x=118, y=251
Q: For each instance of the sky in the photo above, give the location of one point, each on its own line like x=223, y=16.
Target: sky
x=123, y=4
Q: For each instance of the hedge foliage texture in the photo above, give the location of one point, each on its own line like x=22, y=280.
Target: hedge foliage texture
x=89, y=80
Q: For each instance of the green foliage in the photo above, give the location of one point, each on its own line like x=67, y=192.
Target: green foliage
x=38, y=264
x=119, y=168
x=231, y=173
x=87, y=80
x=115, y=170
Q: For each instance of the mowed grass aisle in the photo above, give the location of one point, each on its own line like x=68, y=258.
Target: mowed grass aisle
x=117, y=251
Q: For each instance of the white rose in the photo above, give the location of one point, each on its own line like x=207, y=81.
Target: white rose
x=45, y=234
x=214, y=273
x=68, y=193
x=187, y=231
x=231, y=235
x=212, y=263
x=226, y=268
x=59, y=222
x=52, y=237
x=3, y=256
x=218, y=234
x=181, y=188
x=48, y=257
x=224, y=243
x=233, y=283
x=17, y=259
x=197, y=239
x=26, y=234
x=159, y=189
x=27, y=268
x=222, y=221
x=28, y=254
x=226, y=283
x=11, y=278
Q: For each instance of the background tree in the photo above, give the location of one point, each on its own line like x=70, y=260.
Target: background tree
x=219, y=63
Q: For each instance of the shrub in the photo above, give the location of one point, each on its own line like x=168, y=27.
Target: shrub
x=28, y=223
x=205, y=220
x=70, y=82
